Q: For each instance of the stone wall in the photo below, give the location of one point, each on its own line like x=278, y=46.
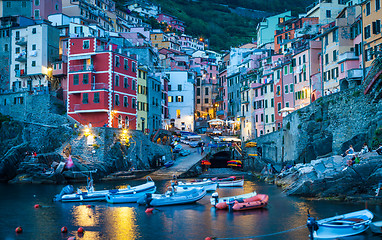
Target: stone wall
x=326, y=127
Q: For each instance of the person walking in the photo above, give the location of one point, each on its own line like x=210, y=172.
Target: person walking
x=202, y=149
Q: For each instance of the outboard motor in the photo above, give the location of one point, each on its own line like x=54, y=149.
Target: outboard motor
x=312, y=225
x=66, y=190
x=148, y=199
x=215, y=198
x=230, y=204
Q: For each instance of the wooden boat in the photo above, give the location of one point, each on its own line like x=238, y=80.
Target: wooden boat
x=208, y=185
x=173, y=198
x=222, y=203
x=229, y=182
x=343, y=225
x=376, y=227
x=129, y=197
x=67, y=194
x=258, y=201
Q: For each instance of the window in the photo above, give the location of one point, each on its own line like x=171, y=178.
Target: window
x=377, y=5
x=206, y=91
x=368, y=9
x=278, y=90
x=197, y=91
x=17, y=35
x=85, y=78
x=326, y=58
x=56, y=7
x=287, y=104
x=170, y=99
x=116, y=80
x=272, y=118
x=133, y=103
x=179, y=87
x=17, y=50
x=377, y=27
x=266, y=104
x=17, y=66
x=8, y=4
x=328, y=14
x=285, y=70
x=34, y=30
x=36, y=2
x=291, y=88
x=206, y=100
x=85, y=99
x=266, y=118
x=133, y=66
x=133, y=84
x=334, y=55
x=198, y=101
x=335, y=36
x=257, y=118
x=6, y=48
x=117, y=61
x=179, y=98
x=33, y=63
x=96, y=97
x=33, y=46
x=37, y=13
x=303, y=58
x=169, y=87
x=278, y=107
x=291, y=68
x=262, y=117
x=125, y=101
x=286, y=88
x=75, y=79
x=125, y=82
x=367, y=32
x=117, y=100
x=85, y=44
x=126, y=64
x=177, y=113
x=271, y=87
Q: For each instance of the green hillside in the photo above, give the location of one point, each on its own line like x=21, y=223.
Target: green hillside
x=219, y=21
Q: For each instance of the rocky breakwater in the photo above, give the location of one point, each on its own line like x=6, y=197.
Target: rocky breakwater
x=331, y=177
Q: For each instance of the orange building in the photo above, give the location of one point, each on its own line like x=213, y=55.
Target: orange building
x=372, y=37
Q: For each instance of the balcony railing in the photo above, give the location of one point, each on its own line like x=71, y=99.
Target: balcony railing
x=81, y=68
x=21, y=73
x=354, y=73
x=98, y=86
x=21, y=42
x=347, y=56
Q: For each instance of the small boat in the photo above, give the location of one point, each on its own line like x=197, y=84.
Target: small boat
x=376, y=227
x=222, y=203
x=173, y=198
x=208, y=185
x=67, y=194
x=229, y=182
x=342, y=225
x=258, y=201
x=132, y=195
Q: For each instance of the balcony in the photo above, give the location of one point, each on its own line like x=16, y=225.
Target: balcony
x=347, y=56
x=244, y=101
x=100, y=86
x=218, y=99
x=21, y=73
x=21, y=42
x=354, y=73
x=81, y=68
x=22, y=57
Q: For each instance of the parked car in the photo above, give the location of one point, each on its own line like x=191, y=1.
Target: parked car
x=184, y=152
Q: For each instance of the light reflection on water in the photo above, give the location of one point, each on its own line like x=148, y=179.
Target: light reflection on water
x=129, y=221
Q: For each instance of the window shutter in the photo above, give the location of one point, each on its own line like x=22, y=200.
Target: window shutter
x=374, y=28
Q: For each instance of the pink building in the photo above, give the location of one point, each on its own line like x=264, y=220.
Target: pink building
x=102, y=84
x=315, y=69
x=41, y=9
x=171, y=21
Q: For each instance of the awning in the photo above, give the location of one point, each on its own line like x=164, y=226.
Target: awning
x=287, y=109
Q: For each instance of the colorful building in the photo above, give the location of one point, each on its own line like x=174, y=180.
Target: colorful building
x=102, y=84
x=142, y=105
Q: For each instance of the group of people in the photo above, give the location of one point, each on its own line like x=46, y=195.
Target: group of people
x=356, y=157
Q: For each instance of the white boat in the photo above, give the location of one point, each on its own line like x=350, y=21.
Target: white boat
x=173, y=198
x=376, y=227
x=67, y=194
x=229, y=182
x=219, y=202
x=343, y=225
x=208, y=185
x=128, y=197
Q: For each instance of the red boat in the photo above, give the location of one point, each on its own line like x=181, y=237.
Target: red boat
x=258, y=201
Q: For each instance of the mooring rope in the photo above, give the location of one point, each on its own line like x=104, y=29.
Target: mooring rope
x=266, y=235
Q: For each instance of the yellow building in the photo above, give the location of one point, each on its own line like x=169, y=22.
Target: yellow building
x=371, y=23
x=161, y=40
x=142, y=106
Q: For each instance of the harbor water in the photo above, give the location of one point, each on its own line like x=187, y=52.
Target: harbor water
x=194, y=221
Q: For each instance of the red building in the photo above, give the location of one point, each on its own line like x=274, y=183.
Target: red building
x=102, y=84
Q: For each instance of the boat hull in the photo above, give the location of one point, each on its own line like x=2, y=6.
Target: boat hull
x=175, y=198
x=127, y=198
x=343, y=225
x=235, y=183
x=209, y=186
x=258, y=201
x=221, y=203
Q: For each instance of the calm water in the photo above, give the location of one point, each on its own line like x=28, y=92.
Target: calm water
x=129, y=221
